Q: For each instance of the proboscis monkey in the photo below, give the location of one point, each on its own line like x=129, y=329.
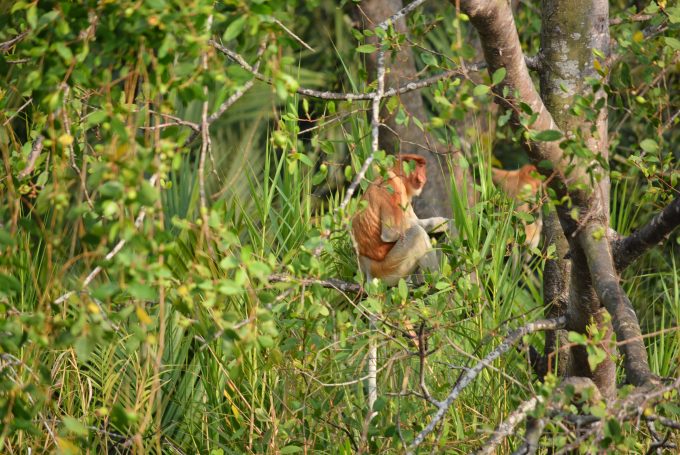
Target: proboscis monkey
x=391, y=241
x=522, y=186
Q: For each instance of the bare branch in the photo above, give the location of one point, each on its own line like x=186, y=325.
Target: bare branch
x=348, y=96
x=33, y=157
x=632, y=18
x=606, y=284
x=532, y=437
x=664, y=421
x=239, y=93
x=329, y=283
x=507, y=427
x=21, y=108
x=293, y=35
x=205, y=140
x=470, y=374
x=6, y=45
x=375, y=127
x=628, y=249
x=399, y=14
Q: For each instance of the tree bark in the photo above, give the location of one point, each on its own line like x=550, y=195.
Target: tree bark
x=571, y=30
x=556, y=277
x=628, y=249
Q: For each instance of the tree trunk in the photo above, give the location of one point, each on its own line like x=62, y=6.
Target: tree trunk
x=571, y=29
x=395, y=138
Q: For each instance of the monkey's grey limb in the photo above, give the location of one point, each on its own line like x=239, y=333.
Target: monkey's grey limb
x=407, y=254
x=434, y=224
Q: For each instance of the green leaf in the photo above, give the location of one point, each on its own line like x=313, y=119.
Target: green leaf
x=481, y=90
x=649, y=145
x=429, y=59
x=229, y=287
x=367, y=48
x=74, y=426
x=234, y=29
x=142, y=291
x=498, y=76
x=32, y=15
x=403, y=289
x=578, y=338
x=8, y=284
x=265, y=341
x=547, y=135
x=5, y=238
x=672, y=42
x=96, y=118
x=291, y=449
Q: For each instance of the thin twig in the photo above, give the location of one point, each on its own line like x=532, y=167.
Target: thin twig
x=346, y=96
x=6, y=45
x=293, y=35
x=633, y=18
x=116, y=249
x=205, y=140
x=329, y=283
x=23, y=106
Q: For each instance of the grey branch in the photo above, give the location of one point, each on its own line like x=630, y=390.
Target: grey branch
x=33, y=157
x=507, y=427
x=347, y=96
x=664, y=421
x=205, y=138
x=329, y=283
x=627, y=249
x=470, y=374
x=6, y=45
x=605, y=280
x=375, y=126
x=632, y=18
x=399, y=14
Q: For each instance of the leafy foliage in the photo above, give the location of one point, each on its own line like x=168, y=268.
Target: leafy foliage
x=182, y=342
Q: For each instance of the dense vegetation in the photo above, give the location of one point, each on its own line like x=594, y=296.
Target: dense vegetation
x=165, y=289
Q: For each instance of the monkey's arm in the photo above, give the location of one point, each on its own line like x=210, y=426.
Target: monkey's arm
x=390, y=229
x=434, y=224
x=389, y=232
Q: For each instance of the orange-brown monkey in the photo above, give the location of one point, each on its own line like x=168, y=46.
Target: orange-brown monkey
x=522, y=186
x=390, y=238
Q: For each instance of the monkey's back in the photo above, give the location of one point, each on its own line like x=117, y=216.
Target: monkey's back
x=367, y=224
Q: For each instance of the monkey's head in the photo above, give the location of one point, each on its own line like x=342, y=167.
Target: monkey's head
x=412, y=169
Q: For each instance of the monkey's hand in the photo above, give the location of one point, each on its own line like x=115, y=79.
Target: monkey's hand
x=389, y=233
x=435, y=224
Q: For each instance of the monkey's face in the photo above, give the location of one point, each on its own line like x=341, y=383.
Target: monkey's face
x=417, y=180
